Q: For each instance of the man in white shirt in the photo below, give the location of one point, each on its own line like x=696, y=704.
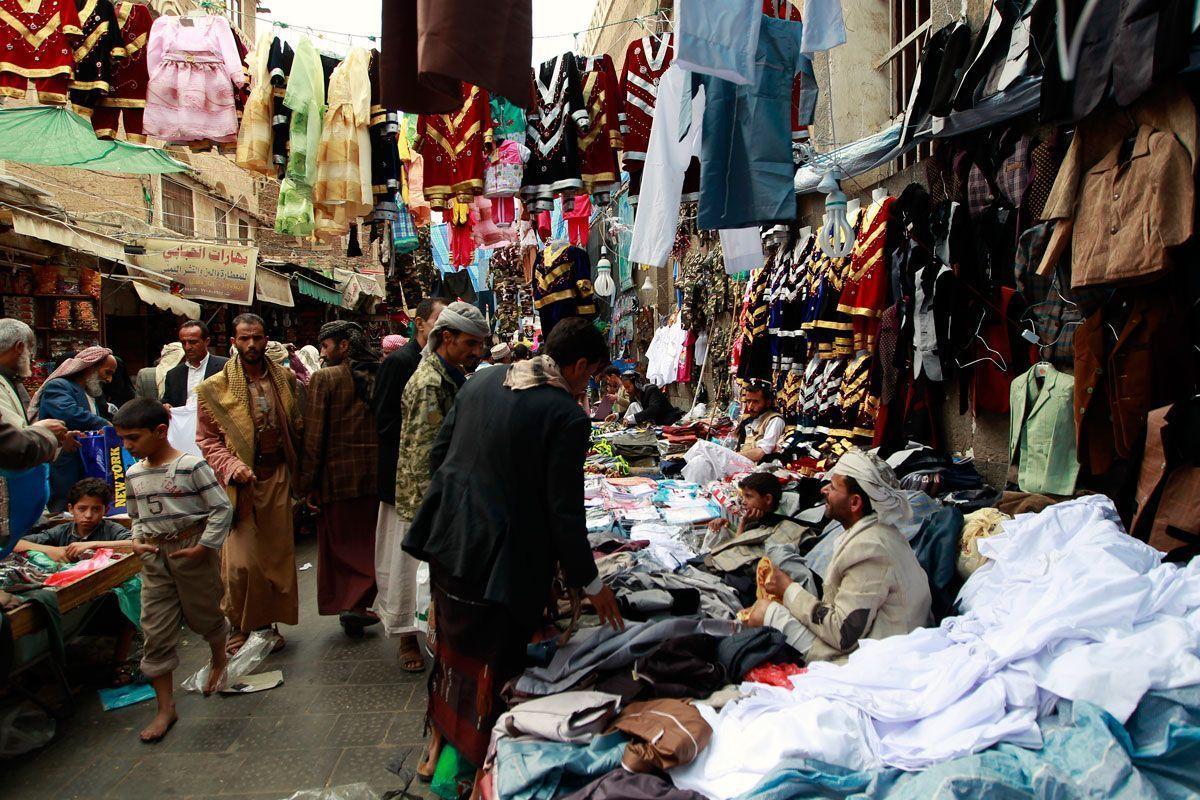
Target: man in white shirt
x=761, y=426
x=197, y=365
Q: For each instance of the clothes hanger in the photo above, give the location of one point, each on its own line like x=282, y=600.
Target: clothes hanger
x=1000, y=364
x=1068, y=54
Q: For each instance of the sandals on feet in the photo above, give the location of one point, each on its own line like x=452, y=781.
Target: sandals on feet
x=410, y=656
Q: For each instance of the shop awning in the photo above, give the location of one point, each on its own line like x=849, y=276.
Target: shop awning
x=54, y=231
x=272, y=287
x=58, y=137
x=166, y=301
x=318, y=292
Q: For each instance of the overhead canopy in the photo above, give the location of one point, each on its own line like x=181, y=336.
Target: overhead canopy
x=50, y=230
x=272, y=287
x=58, y=137
x=167, y=301
x=316, y=291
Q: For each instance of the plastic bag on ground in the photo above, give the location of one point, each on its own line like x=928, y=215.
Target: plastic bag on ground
x=257, y=647
x=707, y=461
x=24, y=728
x=348, y=791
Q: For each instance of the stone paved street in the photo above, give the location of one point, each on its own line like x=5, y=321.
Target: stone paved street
x=345, y=711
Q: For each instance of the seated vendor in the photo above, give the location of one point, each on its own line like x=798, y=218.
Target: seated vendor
x=761, y=524
x=761, y=426
x=648, y=403
x=614, y=393
x=89, y=529
x=874, y=587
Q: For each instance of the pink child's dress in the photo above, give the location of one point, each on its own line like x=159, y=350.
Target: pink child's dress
x=193, y=66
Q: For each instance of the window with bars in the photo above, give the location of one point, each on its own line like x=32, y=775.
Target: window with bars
x=910, y=24
x=178, y=212
x=220, y=229
x=244, y=231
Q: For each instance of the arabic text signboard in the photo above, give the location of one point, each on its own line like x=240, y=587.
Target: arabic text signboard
x=215, y=272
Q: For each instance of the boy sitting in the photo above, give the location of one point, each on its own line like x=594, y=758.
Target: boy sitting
x=181, y=516
x=761, y=525
x=89, y=529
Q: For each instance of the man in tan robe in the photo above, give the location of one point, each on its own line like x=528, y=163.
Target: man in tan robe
x=248, y=428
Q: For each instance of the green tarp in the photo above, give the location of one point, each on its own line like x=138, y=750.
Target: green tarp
x=59, y=137
x=318, y=292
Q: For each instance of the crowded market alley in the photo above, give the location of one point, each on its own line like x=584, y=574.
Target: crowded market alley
x=599, y=400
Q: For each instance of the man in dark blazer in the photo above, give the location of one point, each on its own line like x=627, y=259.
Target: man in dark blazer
x=197, y=364
x=504, y=507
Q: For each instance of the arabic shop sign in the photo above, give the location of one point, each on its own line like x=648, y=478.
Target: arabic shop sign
x=216, y=272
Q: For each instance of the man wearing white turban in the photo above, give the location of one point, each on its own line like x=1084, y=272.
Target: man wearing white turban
x=455, y=339
x=874, y=587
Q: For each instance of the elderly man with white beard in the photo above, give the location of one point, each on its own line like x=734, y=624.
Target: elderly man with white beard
x=72, y=394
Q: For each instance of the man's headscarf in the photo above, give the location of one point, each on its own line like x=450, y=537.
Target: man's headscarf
x=168, y=359
x=276, y=352
x=393, y=342
x=879, y=481
x=363, y=359
x=309, y=356
x=458, y=316
x=82, y=361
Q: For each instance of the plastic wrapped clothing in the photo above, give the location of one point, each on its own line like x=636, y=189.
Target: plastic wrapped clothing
x=306, y=99
x=708, y=461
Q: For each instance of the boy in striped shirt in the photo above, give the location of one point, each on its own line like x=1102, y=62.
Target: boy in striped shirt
x=180, y=515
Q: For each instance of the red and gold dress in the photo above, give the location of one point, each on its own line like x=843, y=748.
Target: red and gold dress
x=598, y=147
x=37, y=45
x=452, y=148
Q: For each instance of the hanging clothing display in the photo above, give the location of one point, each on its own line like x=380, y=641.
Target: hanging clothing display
x=598, y=147
x=384, y=133
x=38, y=41
x=429, y=47
x=342, y=191
x=1041, y=433
x=674, y=141
x=255, y=136
x=279, y=65
x=646, y=60
x=1168, y=489
x=562, y=285
x=557, y=114
x=718, y=39
x=194, y=66
x=452, y=147
x=865, y=289
x=508, y=119
x=746, y=163
x=125, y=103
x=305, y=99
x=98, y=54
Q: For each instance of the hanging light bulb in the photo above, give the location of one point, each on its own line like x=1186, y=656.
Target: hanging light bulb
x=603, y=284
x=647, y=286
x=836, y=237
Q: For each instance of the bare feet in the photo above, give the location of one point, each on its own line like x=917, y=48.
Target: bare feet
x=429, y=760
x=216, y=672
x=158, y=727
